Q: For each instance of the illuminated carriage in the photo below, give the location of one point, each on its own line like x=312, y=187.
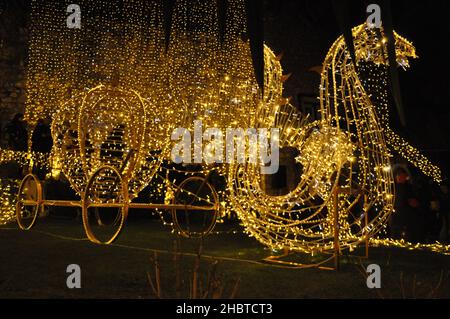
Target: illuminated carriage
x=110, y=143
x=111, y=140
x=109, y=149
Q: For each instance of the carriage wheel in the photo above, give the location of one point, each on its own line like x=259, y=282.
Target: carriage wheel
x=29, y=199
x=105, y=205
x=195, y=191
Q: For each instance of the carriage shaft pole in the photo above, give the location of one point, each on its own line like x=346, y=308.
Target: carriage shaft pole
x=68, y=203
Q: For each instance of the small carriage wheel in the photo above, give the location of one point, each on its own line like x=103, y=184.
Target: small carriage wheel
x=86, y=204
x=203, y=185
x=29, y=195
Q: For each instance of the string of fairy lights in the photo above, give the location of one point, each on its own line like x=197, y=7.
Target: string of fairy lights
x=9, y=186
x=123, y=51
x=347, y=148
x=23, y=158
x=8, y=189
x=115, y=94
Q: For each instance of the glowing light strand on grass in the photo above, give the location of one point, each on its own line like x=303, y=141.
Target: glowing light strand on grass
x=388, y=242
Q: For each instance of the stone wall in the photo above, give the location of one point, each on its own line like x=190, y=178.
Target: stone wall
x=13, y=52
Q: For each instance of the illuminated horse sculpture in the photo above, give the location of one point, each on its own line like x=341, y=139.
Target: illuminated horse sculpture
x=345, y=192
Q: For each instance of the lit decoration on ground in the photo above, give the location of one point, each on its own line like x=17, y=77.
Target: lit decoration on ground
x=115, y=99
x=345, y=150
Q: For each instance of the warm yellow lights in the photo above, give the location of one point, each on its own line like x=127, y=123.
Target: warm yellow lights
x=115, y=95
x=8, y=189
x=345, y=150
x=387, y=242
x=24, y=158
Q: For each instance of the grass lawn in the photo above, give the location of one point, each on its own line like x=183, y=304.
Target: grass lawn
x=33, y=265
